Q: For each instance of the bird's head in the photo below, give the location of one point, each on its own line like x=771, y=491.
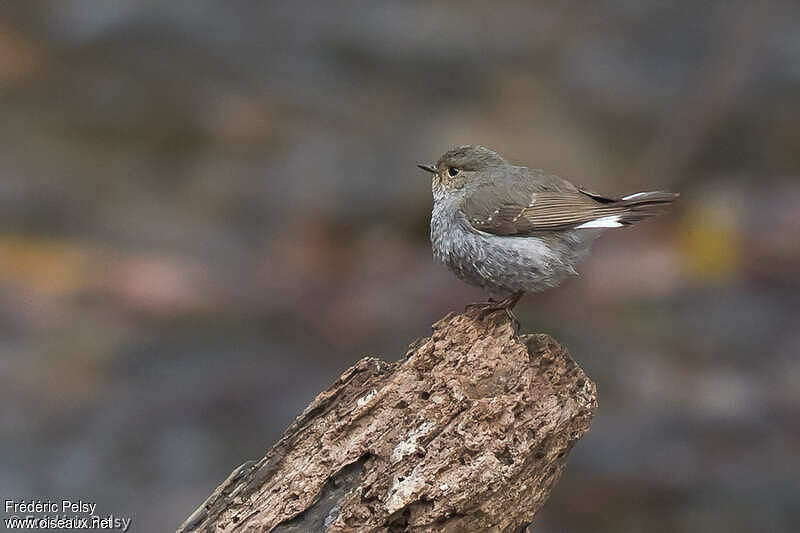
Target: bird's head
x=462, y=166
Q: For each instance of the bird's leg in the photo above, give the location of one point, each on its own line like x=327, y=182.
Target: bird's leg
x=493, y=305
x=481, y=305
x=506, y=304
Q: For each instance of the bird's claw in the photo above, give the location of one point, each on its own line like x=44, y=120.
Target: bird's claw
x=486, y=309
x=507, y=304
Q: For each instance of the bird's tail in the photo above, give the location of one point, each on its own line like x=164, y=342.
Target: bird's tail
x=642, y=205
x=615, y=213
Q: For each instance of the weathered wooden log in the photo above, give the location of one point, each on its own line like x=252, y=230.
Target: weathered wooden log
x=469, y=432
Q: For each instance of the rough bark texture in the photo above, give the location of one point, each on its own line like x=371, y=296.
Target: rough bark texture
x=469, y=432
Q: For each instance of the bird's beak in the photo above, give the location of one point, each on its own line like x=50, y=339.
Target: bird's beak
x=428, y=168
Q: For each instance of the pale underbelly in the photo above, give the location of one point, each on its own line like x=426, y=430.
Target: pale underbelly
x=508, y=264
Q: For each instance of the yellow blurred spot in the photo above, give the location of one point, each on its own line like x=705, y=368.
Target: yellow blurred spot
x=710, y=243
x=45, y=265
x=18, y=56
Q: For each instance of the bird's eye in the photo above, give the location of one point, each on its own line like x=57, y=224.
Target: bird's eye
x=453, y=171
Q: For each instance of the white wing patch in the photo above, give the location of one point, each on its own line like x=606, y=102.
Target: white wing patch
x=611, y=221
x=635, y=195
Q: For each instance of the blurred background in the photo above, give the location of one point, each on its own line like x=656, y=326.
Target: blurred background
x=209, y=210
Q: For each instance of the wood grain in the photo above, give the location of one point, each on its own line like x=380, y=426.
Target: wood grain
x=469, y=431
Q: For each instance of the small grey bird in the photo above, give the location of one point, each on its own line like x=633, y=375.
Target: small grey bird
x=513, y=230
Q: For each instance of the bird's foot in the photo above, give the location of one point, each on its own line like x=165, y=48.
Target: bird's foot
x=486, y=311
x=506, y=305
x=480, y=306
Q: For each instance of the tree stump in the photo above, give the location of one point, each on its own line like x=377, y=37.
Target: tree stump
x=468, y=433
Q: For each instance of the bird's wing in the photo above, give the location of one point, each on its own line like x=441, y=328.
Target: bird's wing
x=534, y=207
